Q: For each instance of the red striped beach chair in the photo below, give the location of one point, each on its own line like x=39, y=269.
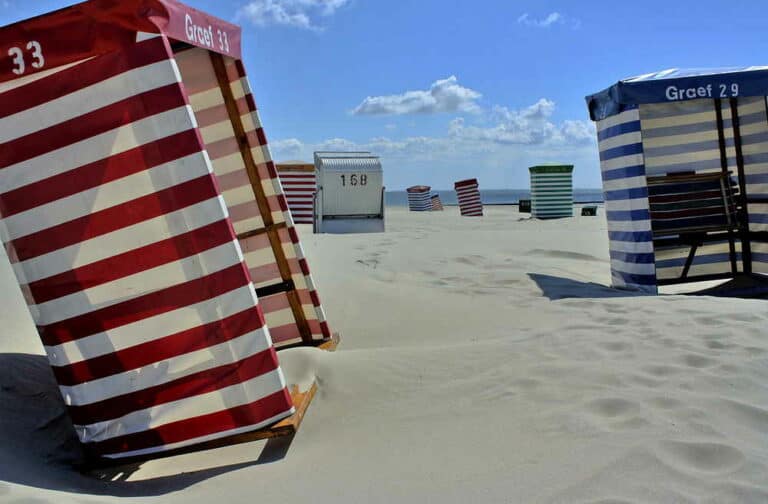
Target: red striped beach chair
x=437, y=205
x=147, y=228
x=468, y=195
x=299, y=185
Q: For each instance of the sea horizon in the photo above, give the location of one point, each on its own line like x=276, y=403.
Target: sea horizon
x=493, y=196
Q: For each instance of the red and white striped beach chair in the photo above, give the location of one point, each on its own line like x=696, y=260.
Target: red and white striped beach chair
x=299, y=185
x=468, y=195
x=437, y=205
x=146, y=226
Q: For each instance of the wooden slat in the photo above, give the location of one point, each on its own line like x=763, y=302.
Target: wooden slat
x=256, y=232
x=303, y=168
x=286, y=427
x=220, y=69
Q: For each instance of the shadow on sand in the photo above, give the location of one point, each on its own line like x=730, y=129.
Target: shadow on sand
x=39, y=447
x=556, y=288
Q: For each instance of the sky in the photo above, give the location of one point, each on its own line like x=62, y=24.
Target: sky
x=449, y=89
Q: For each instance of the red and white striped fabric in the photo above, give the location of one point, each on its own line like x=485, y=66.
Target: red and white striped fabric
x=120, y=235
x=468, y=195
x=437, y=205
x=299, y=185
x=207, y=102
x=122, y=246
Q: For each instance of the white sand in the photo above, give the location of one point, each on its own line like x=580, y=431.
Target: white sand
x=483, y=360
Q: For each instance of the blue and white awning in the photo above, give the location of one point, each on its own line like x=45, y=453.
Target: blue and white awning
x=676, y=85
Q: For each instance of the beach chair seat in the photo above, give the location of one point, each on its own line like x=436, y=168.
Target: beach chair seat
x=691, y=209
x=589, y=210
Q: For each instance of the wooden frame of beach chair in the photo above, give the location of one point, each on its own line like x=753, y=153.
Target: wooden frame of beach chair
x=689, y=209
x=142, y=215
x=230, y=126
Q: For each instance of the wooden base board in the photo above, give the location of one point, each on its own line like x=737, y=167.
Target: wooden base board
x=330, y=344
x=286, y=427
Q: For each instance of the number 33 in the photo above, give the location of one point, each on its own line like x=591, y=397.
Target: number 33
x=18, y=57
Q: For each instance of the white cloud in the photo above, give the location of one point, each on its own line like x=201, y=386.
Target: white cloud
x=288, y=147
x=553, y=18
x=445, y=95
x=540, y=23
x=530, y=131
x=529, y=126
x=296, y=13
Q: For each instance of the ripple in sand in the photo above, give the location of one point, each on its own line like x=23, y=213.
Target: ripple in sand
x=746, y=415
x=698, y=361
x=615, y=346
x=666, y=403
x=612, y=407
x=662, y=370
x=702, y=457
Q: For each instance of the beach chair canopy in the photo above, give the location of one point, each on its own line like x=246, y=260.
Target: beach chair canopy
x=684, y=162
x=146, y=226
x=350, y=196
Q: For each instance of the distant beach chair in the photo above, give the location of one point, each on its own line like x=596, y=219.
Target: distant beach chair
x=468, y=195
x=299, y=186
x=524, y=206
x=419, y=198
x=350, y=195
x=589, y=210
x=551, y=191
x=437, y=205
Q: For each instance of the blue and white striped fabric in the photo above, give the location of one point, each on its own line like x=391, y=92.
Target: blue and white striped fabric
x=419, y=199
x=754, y=140
x=626, y=202
x=680, y=137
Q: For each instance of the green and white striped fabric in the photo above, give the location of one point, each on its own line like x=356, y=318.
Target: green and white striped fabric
x=551, y=191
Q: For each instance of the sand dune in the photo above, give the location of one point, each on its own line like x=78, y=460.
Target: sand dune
x=483, y=360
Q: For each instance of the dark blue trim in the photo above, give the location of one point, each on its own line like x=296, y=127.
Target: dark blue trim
x=625, y=194
x=757, y=178
x=619, y=129
x=630, y=236
x=628, y=215
x=621, y=151
x=615, y=99
x=622, y=173
x=634, y=279
x=631, y=258
x=698, y=260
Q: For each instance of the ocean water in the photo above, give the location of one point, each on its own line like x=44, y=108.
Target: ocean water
x=494, y=196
